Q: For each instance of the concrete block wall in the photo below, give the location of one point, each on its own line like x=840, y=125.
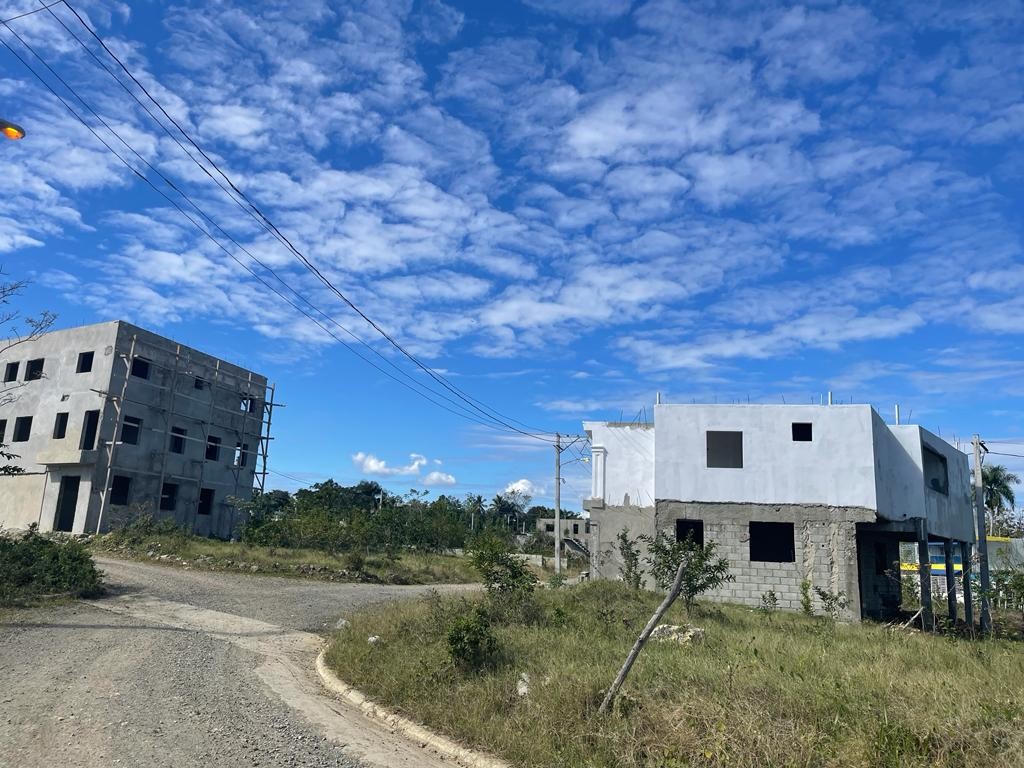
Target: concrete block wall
x=606, y=523
x=825, y=549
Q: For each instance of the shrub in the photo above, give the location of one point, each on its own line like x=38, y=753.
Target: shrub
x=141, y=528
x=832, y=603
x=630, y=571
x=806, y=607
x=33, y=565
x=702, y=569
x=472, y=645
x=769, y=603
x=503, y=573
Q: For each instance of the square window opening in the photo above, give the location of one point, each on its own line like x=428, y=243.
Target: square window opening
x=241, y=454
x=199, y=383
x=60, y=426
x=84, y=362
x=205, y=501
x=803, y=432
x=178, y=440
x=936, y=471
x=131, y=428
x=690, y=529
x=140, y=368
x=11, y=372
x=248, y=405
x=725, y=450
x=549, y=527
x=90, y=428
x=772, y=543
x=120, y=488
x=169, y=497
x=34, y=369
x=213, y=448
x=22, y=429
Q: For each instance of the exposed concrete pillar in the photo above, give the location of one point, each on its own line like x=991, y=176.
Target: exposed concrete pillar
x=965, y=572
x=924, y=570
x=947, y=552
x=598, y=454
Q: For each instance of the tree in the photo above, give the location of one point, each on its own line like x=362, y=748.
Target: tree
x=1000, y=500
x=701, y=569
x=16, y=329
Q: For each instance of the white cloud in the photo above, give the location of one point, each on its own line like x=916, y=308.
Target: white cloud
x=438, y=478
x=371, y=465
x=524, y=486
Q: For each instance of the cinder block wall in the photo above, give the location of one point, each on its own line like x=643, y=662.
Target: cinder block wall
x=825, y=549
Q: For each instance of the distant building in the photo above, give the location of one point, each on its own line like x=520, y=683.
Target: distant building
x=110, y=419
x=789, y=493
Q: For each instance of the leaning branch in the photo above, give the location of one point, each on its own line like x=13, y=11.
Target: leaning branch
x=641, y=641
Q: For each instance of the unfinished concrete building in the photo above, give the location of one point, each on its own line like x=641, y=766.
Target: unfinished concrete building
x=789, y=494
x=110, y=420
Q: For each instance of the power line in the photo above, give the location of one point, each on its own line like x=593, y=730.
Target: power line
x=473, y=403
x=462, y=412
x=29, y=13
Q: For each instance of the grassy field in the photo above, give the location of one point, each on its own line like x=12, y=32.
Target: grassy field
x=210, y=554
x=778, y=690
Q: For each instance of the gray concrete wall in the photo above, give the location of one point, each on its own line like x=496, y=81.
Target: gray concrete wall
x=168, y=398
x=606, y=523
x=824, y=549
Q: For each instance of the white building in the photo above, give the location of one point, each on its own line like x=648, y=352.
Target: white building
x=109, y=420
x=789, y=493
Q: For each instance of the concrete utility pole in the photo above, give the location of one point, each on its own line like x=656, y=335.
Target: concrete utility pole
x=558, y=503
x=979, y=512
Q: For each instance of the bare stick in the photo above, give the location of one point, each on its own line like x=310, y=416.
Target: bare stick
x=638, y=646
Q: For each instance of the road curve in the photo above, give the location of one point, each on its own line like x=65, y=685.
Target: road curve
x=187, y=668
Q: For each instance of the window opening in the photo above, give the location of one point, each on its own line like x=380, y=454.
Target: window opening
x=692, y=528
x=802, y=432
x=22, y=429
x=131, y=428
x=725, y=450
x=178, y=439
x=169, y=497
x=90, y=426
x=120, y=486
x=772, y=542
x=34, y=370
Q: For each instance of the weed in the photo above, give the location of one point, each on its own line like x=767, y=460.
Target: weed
x=806, y=607
x=471, y=643
x=34, y=565
x=631, y=573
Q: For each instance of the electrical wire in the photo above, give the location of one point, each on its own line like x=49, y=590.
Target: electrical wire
x=29, y=13
x=473, y=403
x=220, y=184
x=462, y=413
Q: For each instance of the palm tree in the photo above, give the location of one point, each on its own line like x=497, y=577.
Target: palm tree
x=998, y=483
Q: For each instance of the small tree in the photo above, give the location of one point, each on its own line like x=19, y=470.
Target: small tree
x=702, y=569
x=630, y=571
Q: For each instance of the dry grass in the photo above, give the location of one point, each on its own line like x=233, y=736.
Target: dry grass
x=211, y=554
x=760, y=691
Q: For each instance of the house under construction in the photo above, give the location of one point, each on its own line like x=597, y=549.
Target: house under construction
x=109, y=420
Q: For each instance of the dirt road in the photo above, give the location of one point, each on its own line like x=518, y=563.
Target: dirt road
x=185, y=668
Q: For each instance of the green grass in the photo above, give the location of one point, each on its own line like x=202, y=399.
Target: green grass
x=784, y=691
x=214, y=555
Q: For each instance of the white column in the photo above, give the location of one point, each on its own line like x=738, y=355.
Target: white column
x=598, y=454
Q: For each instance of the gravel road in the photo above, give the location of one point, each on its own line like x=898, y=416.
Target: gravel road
x=184, y=668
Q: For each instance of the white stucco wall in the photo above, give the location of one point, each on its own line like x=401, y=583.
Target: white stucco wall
x=623, y=455
x=835, y=468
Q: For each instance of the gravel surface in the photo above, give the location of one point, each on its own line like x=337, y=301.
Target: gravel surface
x=312, y=606
x=84, y=686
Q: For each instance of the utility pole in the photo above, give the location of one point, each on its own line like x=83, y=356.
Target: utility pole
x=979, y=512
x=558, y=503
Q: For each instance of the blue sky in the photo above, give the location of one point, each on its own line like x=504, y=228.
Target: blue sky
x=563, y=206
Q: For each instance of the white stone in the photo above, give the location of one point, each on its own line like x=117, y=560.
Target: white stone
x=684, y=634
x=373, y=639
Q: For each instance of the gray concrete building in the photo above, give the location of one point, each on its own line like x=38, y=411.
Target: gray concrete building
x=789, y=494
x=110, y=420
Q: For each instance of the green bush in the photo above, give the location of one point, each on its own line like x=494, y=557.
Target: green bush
x=472, y=645
x=33, y=565
x=138, y=530
x=702, y=570
x=631, y=573
x=503, y=573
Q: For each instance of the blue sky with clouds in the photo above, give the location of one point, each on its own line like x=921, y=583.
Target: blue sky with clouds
x=564, y=206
